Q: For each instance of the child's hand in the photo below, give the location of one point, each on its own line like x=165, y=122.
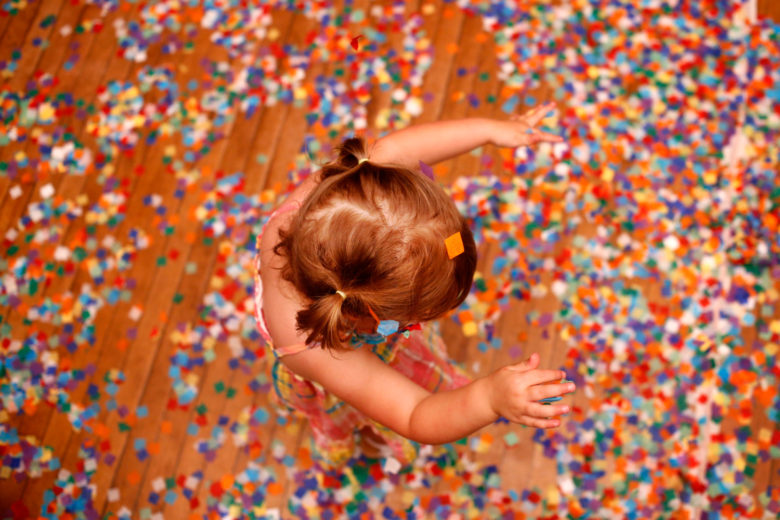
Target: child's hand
x=516, y=390
x=520, y=131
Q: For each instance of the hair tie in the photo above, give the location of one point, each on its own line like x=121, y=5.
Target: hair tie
x=361, y=161
x=342, y=294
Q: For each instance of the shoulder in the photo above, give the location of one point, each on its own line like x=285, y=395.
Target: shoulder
x=281, y=302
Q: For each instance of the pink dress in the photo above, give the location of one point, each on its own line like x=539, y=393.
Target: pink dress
x=420, y=355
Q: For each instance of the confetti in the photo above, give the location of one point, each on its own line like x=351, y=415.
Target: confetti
x=668, y=177
x=454, y=244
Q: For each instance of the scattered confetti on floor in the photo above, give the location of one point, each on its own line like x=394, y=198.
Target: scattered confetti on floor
x=671, y=112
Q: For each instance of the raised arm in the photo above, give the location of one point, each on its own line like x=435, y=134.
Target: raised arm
x=442, y=140
x=388, y=397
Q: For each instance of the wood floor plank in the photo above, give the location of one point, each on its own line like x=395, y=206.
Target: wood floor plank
x=189, y=461
x=52, y=60
x=182, y=458
x=37, y=424
x=108, y=357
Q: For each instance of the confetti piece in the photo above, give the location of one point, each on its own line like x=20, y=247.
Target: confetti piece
x=454, y=244
x=427, y=170
x=387, y=327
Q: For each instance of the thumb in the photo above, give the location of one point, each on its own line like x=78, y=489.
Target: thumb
x=529, y=364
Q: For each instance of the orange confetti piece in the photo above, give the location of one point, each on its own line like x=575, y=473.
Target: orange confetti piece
x=454, y=245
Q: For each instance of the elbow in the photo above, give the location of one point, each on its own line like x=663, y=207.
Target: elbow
x=424, y=432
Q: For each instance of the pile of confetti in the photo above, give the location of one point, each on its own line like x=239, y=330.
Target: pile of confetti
x=667, y=178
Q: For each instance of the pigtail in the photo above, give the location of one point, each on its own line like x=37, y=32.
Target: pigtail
x=325, y=321
x=349, y=154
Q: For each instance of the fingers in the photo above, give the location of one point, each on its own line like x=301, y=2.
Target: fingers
x=537, y=377
x=539, y=136
x=538, y=113
x=541, y=423
x=547, y=410
x=529, y=364
x=540, y=392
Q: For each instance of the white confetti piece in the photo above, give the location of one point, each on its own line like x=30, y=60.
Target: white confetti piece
x=391, y=466
x=158, y=485
x=135, y=313
x=47, y=191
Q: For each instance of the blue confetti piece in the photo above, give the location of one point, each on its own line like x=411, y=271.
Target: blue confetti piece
x=509, y=105
x=387, y=327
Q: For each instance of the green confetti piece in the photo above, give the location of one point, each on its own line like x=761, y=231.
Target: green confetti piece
x=231, y=393
x=178, y=297
x=201, y=409
x=161, y=261
x=219, y=387
x=511, y=439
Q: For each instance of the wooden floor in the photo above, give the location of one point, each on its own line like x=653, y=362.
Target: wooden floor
x=148, y=268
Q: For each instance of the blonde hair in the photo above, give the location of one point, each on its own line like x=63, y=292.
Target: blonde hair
x=370, y=237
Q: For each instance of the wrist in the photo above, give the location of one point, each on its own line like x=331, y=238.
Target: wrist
x=490, y=130
x=486, y=395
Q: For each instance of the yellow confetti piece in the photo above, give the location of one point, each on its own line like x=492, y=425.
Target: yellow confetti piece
x=469, y=329
x=710, y=178
x=775, y=326
x=45, y=112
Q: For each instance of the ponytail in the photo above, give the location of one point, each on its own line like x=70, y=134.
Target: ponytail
x=324, y=320
x=350, y=154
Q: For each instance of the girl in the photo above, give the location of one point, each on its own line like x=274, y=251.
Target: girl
x=351, y=271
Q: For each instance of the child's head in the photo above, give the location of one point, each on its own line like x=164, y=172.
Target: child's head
x=375, y=233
